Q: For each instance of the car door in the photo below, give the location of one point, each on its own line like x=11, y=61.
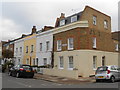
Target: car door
x=114, y=71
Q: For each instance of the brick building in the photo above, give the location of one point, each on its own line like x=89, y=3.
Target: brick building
x=80, y=48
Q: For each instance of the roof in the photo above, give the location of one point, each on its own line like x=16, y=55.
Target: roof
x=68, y=19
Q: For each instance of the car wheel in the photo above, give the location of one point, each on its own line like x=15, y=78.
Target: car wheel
x=97, y=80
x=112, y=79
x=9, y=73
x=18, y=75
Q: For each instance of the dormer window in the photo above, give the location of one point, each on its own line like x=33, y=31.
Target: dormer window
x=74, y=18
x=62, y=22
x=105, y=24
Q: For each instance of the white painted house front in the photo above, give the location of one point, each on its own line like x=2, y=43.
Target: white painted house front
x=44, y=46
x=18, y=51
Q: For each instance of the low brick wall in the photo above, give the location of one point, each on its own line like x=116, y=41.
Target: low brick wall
x=62, y=73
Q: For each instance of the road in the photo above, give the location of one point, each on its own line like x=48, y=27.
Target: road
x=13, y=82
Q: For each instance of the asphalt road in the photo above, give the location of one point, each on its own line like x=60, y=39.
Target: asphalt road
x=13, y=82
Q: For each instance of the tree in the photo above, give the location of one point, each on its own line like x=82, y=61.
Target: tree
x=7, y=54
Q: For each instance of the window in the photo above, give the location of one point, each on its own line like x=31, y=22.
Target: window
x=94, y=20
x=36, y=61
x=117, y=47
x=18, y=61
x=105, y=24
x=103, y=61
x=47, y=45
x=27, y=61
x=16, y=50
x=20, y=49
x=61, y=62
x=74, y=18
x=33, y=61
x=59, y=45
x=62, y=22
x=70, y=43
x=32, y=47
x=70, y=66
x=94, y=42
x=40, y=46
x=26, y=49
x=45, y=61
x=94, y=62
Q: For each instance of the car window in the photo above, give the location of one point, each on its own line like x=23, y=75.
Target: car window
x=26, y=67
x=113, y=68
x=102, y=68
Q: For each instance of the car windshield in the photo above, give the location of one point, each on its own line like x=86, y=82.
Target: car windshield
x=26, y=67
x=102, y=68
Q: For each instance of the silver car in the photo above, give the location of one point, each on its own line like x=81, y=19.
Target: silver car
x=111, y=73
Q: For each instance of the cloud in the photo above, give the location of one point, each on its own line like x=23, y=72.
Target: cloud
x=19, y=17
x=9, y=29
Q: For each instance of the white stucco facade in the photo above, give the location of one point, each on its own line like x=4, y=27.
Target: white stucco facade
x=44, y=53
x=18, y=51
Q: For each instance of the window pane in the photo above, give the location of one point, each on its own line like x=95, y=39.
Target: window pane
x=62, y=22
x=74, y=18
x=94, y=20
x=61, y=62
x=71, y=62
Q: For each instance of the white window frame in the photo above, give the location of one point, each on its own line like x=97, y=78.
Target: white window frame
x=44, y=61
x=61, y=61
x=117, y=47
x=94, y=62
x=27, y=61
x=59, y=45
x=16, y=50
x=70, y=44
x=20, y=49
x=94, y=42
x=104, y=61
x=40, y=46
x=47, y=45
x=34, y=61
x=105, y=24
x=62, y=22
x=94, y=20
x=74, y=18
x=69, y=67
x=26, y=49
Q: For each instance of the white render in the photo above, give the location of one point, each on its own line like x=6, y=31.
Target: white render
x=43, y=38
x=18, y=55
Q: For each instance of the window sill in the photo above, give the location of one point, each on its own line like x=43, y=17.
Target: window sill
x=70, y=68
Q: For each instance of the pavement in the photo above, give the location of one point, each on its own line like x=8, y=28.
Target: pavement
x=64, y=80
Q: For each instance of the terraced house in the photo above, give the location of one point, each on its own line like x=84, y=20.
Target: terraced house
x=81, y=43
x=29, y=56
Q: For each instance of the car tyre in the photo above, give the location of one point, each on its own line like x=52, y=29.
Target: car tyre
x=18, y=75
x=97, y=80
x=112, y=79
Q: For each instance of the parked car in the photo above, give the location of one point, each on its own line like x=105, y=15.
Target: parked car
x=21, y=71
x=111, y=73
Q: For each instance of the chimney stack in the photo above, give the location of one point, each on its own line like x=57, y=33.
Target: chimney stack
x=33, y=29
x=62, y=16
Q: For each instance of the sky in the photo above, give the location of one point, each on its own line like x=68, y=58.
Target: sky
x=17, y=17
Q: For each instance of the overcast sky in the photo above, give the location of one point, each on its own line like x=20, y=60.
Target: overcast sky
x=19, y=17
